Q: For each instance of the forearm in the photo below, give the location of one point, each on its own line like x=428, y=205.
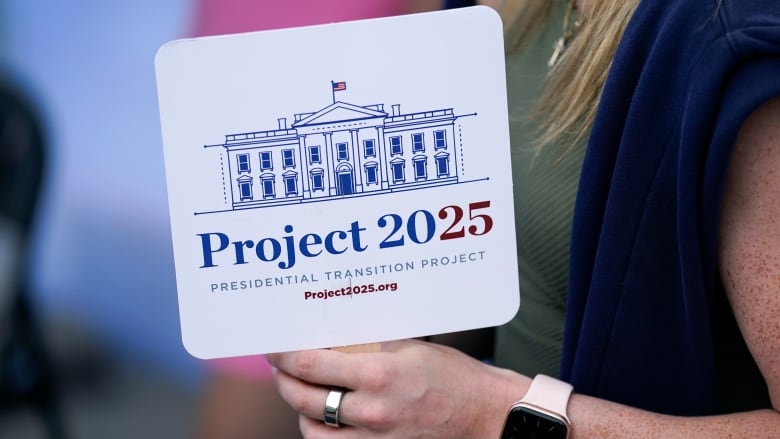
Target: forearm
x=597, y=418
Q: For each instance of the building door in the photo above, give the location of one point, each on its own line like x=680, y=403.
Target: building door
x=346, y=184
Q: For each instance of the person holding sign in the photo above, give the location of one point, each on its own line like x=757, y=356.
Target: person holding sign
x=671, y=308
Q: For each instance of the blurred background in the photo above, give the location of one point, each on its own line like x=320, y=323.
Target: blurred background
x=99, y=272
x=90, y=344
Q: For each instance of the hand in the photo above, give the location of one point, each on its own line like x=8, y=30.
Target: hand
x=411, y=389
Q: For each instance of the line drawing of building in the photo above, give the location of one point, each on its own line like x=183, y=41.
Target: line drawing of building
x=340, y=151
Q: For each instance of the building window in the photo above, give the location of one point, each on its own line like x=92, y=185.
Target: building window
x=420, y=167
x=417, y=142
x=317, y=180
x=395, y=146
x=440, y=139
x=397, y=169
x=314, y=154
x=269, y=190
x=442, y=165
x=369, y=149
x=266, y=162
x=245, y=189
x=243, y=163
x=288, y=158
x=291, y=184
x=372, y=174
x=342, y=152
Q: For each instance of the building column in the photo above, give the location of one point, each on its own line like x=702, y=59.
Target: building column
x=358, y=160
x=384, y=158
x=329, y=161
x=304, y=156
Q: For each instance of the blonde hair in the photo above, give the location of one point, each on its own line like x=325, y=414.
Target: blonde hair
x=568, y=103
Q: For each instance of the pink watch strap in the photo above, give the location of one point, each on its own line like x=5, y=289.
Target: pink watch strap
x=549, y=394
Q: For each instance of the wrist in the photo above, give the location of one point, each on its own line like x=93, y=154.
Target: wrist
x=500, y=389
x=541, y=412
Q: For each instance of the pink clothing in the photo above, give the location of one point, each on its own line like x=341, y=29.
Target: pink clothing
x=215, y=17
x=252, y=366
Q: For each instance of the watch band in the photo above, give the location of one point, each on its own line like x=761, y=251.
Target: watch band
x=548, y=394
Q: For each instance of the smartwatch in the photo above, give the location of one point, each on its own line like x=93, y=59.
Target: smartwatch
x=541, y=413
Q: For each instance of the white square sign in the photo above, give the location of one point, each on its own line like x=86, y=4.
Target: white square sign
x=339, y=184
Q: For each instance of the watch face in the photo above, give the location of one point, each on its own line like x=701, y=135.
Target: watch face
x=526, y=423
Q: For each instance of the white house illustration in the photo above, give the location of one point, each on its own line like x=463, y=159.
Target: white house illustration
x=343, y=150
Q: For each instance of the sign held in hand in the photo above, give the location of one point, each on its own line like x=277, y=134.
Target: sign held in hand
x=340, y=184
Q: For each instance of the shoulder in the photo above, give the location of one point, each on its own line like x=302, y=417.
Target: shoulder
x=754, y=173
x=754, y=169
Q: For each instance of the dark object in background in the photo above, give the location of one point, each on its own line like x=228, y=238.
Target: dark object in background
x=450, y=4
x=26, y=375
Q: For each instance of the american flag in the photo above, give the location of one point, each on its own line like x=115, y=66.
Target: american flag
x=339, y=86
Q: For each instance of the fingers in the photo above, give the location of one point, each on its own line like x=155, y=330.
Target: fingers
x=332, y=368
x=305, y=378
x=309, y=401
x=305, y=398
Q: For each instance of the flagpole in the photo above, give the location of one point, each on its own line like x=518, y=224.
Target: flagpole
x=333, y=90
